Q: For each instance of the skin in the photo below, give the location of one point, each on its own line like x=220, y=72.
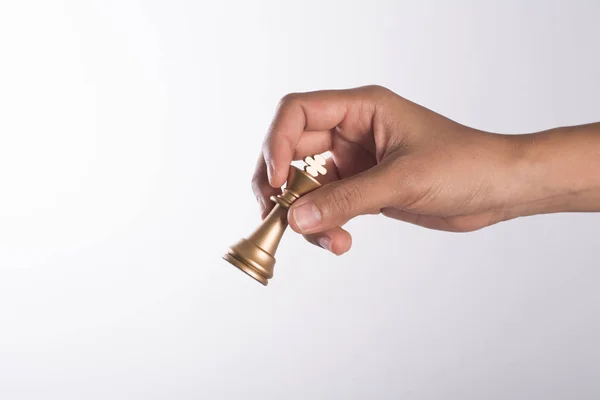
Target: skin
x=397, y=158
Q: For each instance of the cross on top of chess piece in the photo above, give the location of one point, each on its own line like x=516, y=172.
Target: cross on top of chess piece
x=315, y=165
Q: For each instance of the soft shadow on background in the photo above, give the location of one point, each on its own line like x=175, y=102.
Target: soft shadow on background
x=128, y=135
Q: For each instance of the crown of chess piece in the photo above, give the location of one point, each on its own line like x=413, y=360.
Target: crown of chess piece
x=255, y=255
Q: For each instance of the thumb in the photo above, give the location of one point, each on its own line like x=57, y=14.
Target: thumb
x=337, y=202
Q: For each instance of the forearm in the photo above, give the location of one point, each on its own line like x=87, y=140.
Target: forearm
x=559, y=171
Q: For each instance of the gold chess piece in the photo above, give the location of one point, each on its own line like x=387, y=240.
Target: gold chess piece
x=255, y=255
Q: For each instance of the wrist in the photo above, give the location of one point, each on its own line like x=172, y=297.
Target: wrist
x=555, y=171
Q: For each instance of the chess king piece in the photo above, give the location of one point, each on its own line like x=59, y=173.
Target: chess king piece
x=255, y=255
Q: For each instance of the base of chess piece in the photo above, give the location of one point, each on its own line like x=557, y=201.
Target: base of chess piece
x=255, y=255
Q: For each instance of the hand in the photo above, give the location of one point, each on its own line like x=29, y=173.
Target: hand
x=394, y=157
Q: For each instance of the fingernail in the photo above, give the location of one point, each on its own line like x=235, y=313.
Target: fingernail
x=307, y=216
x=324, y=242
x=270, y=170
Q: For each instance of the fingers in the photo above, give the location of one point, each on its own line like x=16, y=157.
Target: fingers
x=336, y=240
x=261, y=188
x=351, y=158
x=312, y=143
x=303, y=125
x=339, y=201
x=299, y=113
x=263, y=191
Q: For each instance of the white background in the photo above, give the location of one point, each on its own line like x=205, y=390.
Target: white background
x=128, y=135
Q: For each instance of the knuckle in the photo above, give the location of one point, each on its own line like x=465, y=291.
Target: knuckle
x=383, y=96
x=377, y=90
x=288, y=100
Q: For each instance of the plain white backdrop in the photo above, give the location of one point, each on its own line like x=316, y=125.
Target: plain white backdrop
x=128, y=135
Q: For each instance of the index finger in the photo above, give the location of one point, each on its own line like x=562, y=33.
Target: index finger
x=296, y=114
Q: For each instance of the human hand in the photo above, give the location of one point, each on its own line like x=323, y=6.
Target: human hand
x=394, y=157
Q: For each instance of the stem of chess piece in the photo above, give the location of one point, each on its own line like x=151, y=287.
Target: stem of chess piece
x=255, y=255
